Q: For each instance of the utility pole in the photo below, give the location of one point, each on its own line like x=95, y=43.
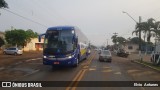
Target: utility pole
x=140, y=19
x=115, y=34
x=138, y=23
x=107, y=42
x=140, y=54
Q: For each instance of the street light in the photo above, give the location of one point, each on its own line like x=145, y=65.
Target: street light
x=139, y=31
x=129, y=16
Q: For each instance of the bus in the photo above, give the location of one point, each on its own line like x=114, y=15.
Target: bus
x=64, y=46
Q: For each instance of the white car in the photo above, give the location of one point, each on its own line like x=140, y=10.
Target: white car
x=14, y=51
x=105, y=55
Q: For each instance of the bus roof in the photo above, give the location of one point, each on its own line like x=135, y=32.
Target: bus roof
x=61, y=28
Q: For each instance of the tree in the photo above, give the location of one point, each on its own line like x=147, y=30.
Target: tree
x=140, y=27
x=150, y=27
x=20, y=37
x=121, y=40
x=157, y=29
x=1, y=42
x=30, y=34
x=16, y=37
x=114, y=39
x=147, y=27
x=135, y=40
x=3, y=4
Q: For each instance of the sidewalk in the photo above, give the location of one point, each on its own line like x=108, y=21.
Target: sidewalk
x=145, y=58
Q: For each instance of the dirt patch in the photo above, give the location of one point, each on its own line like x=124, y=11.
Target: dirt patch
x=1, y=52
x=6, y=60
x=6, y=75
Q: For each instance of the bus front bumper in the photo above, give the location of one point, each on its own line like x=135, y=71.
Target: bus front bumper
x=67, y=62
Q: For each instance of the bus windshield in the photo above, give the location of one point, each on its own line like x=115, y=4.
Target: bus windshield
x=59, y=41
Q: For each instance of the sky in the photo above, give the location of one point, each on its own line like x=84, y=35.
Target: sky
x=97, y=19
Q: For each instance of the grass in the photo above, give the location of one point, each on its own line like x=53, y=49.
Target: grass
x=157, y=67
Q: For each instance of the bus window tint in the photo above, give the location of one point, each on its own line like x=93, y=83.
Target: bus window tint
x=60, y=40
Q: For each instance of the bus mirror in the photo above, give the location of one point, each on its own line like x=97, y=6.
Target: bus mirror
x=76, y=40
x=40, y=36
x=73, y=40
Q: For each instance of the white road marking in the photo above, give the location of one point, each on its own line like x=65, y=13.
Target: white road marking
x=117, y=73
x=91, y=69
x=33, y=59
x=109, y=70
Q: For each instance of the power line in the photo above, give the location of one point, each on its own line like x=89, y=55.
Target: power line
x=49, y=11
x=24, y=17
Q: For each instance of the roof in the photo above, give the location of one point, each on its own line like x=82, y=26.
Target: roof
x=61, y=28
x=1, y=32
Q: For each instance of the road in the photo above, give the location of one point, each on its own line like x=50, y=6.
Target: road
x=120, y=69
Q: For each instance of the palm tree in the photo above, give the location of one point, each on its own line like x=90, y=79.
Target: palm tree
x=146, y=28
x=140, y=27
x=151, y=26
x=157, y=29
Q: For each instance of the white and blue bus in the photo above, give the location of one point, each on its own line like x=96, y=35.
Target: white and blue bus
x=64, y=46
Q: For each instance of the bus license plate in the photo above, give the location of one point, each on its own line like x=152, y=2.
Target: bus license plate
x=56, y=63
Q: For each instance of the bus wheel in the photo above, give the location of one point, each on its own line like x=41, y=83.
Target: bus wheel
x=77, y=62
x=85, y=57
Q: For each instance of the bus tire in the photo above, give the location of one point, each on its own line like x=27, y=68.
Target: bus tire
x=85, y=57
x=77, y=62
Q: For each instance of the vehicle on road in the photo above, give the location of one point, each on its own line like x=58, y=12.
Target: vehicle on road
x=14, y=51
x=105, y=55
x=64, y=46
x=122, y=53
x=89, y=51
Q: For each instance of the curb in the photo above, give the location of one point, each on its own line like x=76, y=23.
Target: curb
x=135, y=61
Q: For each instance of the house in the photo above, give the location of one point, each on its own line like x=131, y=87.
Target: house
x=130, y=47
x=34, y=45
x=2, y=36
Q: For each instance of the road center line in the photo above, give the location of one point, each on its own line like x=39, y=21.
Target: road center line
x=79, y=76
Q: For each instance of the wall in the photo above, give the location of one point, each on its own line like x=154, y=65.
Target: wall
x=34, y=45
x=129, y=50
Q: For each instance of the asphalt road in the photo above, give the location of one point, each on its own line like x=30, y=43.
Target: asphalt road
x=120, y=69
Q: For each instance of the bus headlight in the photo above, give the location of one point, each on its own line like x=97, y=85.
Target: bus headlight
x=44, y=56
x=70, y=56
